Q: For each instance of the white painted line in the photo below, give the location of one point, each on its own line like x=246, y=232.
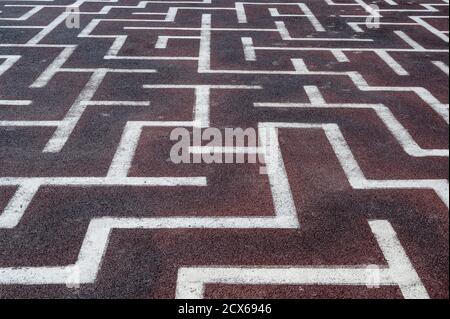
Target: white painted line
x=18, y=204
x=202, y=106
x=15, y=103
x=204, y=55
x=312, y=18
x=409, y=41
x=240, y=12
x=442, y=66
x=249, y=52
x=394, y=65
x=117, y=103
x=65, y=129
x=340, y=56
x=10, y=60
x=314, y=95
x=53, y=68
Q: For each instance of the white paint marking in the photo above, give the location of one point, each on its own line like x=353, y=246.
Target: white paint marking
x=53, y=68
x=312, y=18
x=18, y=205
x=249, y=52
x=65, y=129
x=442, y=66
x=394, y=65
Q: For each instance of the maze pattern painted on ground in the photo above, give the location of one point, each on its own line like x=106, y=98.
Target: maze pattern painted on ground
x=359, y=115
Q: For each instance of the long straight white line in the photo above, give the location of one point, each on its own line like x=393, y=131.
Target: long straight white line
x=29, y=123
x=356, y=176
x=204, y=56
x=15, y=102
x=123, y=158
x=249, y=52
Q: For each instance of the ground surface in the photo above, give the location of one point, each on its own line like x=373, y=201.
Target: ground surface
x=357, y=196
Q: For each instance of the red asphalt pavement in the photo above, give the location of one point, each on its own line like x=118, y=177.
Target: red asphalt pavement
x=89, y=193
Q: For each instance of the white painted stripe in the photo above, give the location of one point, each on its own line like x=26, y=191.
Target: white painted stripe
x=117, y=103
x=400, y=267
x=29, y=123
x=123, y=158
x=240, y=12
x=340, y=56
x=10, y=60
x=126, y=150
x=314, y=95
x=204, y=55
x=202, y=103
x=249, y=52
x=117, y=45
x=442, y=66
x=15, y=102
x=312, y=18
x=394, y=65
x=49, y=28
x=18, y=204
x=225, y=150
x=104, y=181
x=391, y=2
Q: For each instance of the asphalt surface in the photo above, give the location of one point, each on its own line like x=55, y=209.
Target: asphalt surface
x=394, y=123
